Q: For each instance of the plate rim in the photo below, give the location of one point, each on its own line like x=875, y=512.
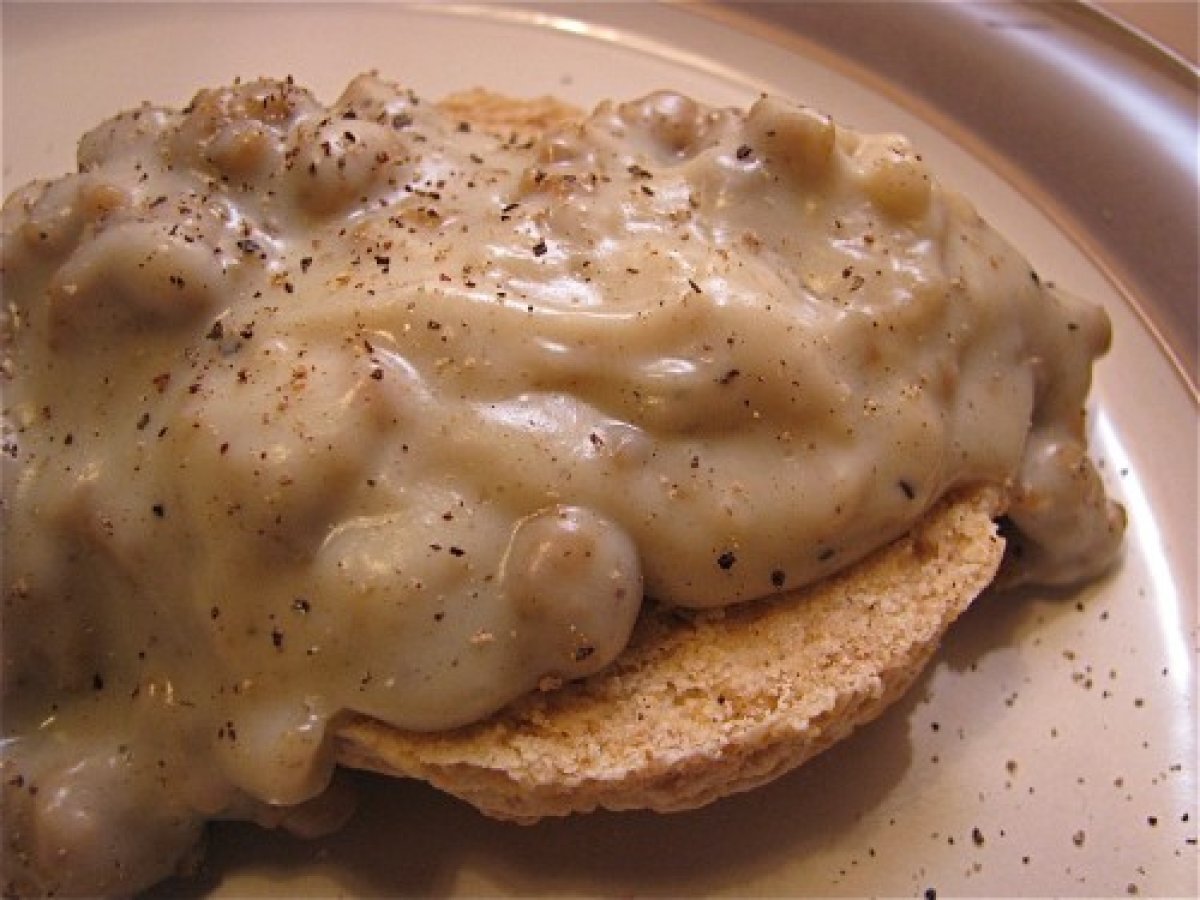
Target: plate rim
x=1081, y=30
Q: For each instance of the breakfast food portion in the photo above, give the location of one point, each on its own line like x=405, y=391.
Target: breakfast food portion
x=621, y=459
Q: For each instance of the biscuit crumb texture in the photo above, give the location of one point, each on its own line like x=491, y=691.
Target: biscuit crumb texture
x=490, y=111
x=702, y=705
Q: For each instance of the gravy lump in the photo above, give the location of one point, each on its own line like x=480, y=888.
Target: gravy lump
x=311, y=409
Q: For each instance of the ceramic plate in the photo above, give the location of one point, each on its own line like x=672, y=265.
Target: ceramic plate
x=1050, y=748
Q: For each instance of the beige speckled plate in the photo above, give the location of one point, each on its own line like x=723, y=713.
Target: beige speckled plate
x=1051, y=749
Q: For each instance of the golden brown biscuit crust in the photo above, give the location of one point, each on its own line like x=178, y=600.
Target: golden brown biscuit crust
x=704, y=705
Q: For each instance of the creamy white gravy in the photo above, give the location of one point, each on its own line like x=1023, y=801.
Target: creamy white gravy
x=311, y=409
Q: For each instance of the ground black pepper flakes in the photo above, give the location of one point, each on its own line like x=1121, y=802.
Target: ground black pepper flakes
x=727, y=560
x=540, y=248
x=729, y=377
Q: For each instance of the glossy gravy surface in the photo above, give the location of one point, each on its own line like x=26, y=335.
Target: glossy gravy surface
x=359, y=407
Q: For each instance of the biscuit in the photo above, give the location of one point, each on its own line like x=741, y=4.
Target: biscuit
x=701, y=705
